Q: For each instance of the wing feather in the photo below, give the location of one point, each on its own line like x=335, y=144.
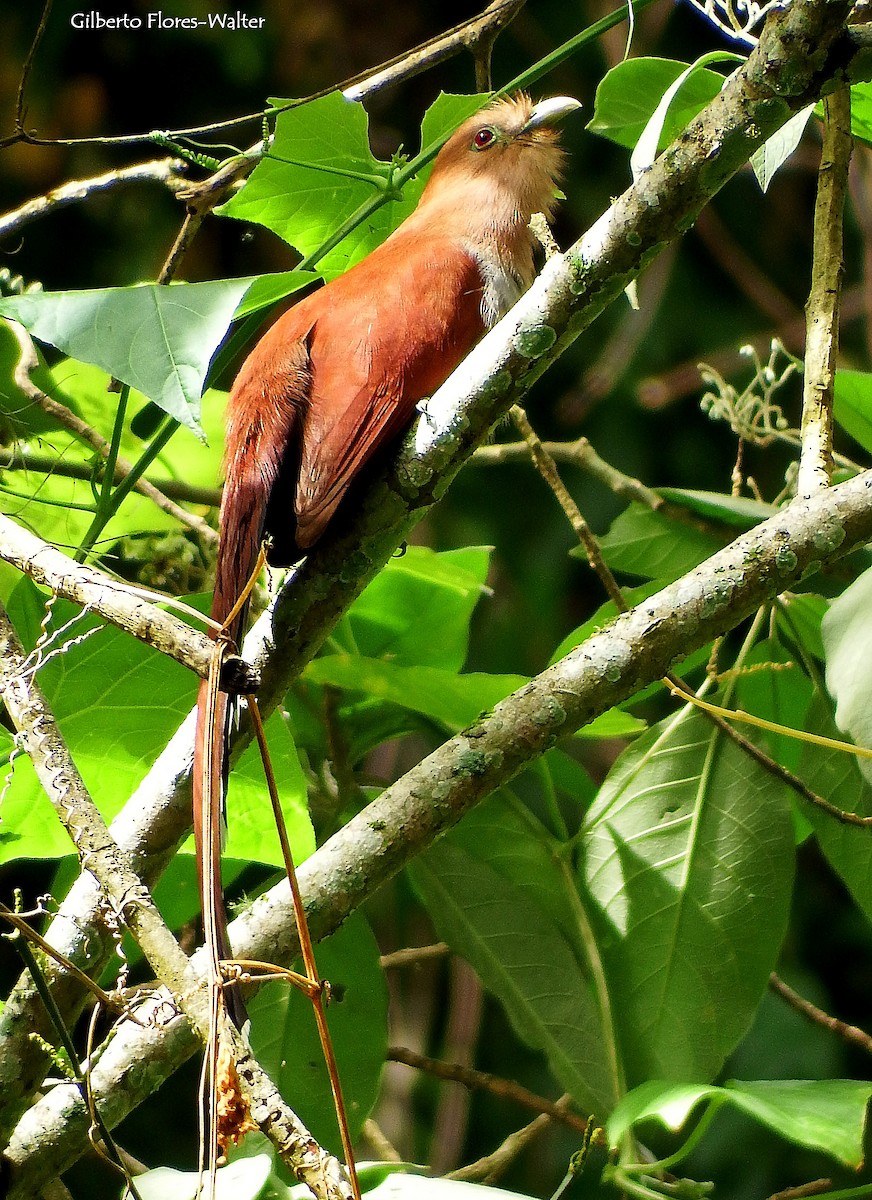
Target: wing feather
x=413, y=312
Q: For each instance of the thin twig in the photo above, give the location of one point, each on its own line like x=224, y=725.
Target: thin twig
x=723, y=717
x=411, y=956
x=579, y=453
x=822, y=310
x=27, y=363
x=380, y=1143
x=159, y=170
x=492, y=1167
x=23, y=929
x=193, y=219
x=848, y=1033
x=356, y=87
x=482, y=1081
x=23, y=458
x=815, y=1188
x=28, y=67
x=547, y=468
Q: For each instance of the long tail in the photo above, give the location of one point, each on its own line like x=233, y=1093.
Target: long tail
x=241, y=531
x=260, y=426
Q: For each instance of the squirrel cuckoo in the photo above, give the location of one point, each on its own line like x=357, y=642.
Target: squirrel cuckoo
x=340, y=373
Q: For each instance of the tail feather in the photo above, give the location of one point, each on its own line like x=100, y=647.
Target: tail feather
x=260, y=427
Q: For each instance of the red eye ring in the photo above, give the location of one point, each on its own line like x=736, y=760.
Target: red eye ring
x=483, y=138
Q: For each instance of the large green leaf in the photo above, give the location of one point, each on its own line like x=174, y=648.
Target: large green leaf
x=852, y=405
x=847, y=637
x=320, y=171
x=452, y=700
x=118, y=703
x=159, y=340
x=822, y=1114
x=687, y=859
x=416, y=611
x=521, y=957
x=628, y=95
x=654, y=546
x=284, y=1036
x=836, y=776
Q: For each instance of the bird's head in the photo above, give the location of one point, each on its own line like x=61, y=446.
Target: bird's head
x=509, y=150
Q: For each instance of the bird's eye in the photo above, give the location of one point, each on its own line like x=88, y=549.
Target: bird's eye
x=484, y=138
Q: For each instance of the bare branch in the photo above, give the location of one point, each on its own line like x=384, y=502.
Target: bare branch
x=23, y=458
x=817, y=1016
x=822, y=310
x=482, y=1081
x=159, y=170
x=116, y=602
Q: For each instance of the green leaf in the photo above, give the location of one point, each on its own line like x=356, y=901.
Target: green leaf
x=654, y=546
x=737, y=512
x=852, y=406
x=454, y=701
x=284, y=1036
x=158, y=340
x=118, y=703
x=861, y=111
x=828, y=1115
x=773, y=686
x=629, y=94
x=500, y=833
x=776, y=150
x=847, y=637
x=59, y=509
x=20, y=418
x=522, y=958
x=687, y=858
x=244, y=1179
x=417, y=610
x=799, y=619
x=320, y=171
x=267, y=290
x=648, y=144
x=837, y=777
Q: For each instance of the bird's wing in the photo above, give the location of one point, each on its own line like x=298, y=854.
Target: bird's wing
x=269, y=396
x=396, y=327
